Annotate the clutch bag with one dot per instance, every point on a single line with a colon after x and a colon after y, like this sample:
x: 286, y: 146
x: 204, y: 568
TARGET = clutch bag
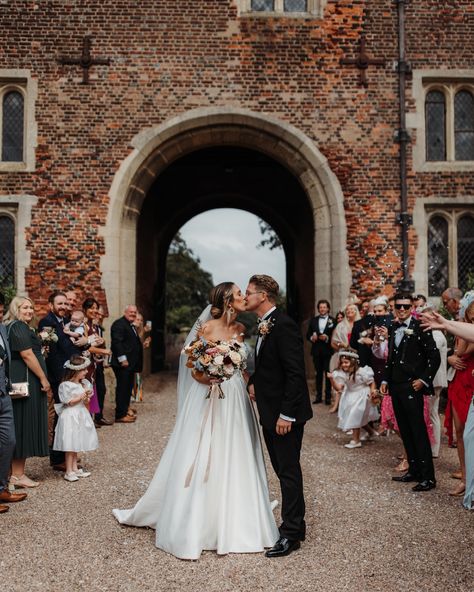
x: 19, y: 390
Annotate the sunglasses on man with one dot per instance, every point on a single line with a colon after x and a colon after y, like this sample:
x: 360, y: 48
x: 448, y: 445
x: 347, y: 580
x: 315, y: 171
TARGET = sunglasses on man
x: 404, y: 306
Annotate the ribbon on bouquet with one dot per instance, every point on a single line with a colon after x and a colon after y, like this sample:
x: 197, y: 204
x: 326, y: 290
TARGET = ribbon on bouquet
x: 214, y: 394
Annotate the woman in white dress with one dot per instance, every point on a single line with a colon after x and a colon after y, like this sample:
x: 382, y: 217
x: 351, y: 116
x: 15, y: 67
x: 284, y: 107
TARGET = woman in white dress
x: 355, y: 408
x: 210, y: 489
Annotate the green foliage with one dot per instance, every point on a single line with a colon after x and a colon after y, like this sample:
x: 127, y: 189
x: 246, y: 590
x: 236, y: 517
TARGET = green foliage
x: 470, y: 280
x: 8, y: 290
x: 187, y: 286
x: 270, y: 237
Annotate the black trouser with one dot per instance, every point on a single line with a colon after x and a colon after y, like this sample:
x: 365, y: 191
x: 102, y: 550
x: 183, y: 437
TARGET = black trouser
x: 321, y: 365
x: 123, y: 392
x: 100, y: 388
x: 284, y: 454
x: 408, y: 406
x: 56, y: 457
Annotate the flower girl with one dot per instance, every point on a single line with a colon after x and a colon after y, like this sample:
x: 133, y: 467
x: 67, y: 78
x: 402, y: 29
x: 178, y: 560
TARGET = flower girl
x: 357, y: 387
x: 75, y: 430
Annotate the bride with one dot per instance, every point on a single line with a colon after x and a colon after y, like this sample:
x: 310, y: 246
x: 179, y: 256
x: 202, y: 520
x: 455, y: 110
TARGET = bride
x: 210, y: 489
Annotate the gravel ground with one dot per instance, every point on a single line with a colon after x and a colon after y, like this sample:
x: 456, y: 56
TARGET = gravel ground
x: 365, y: 532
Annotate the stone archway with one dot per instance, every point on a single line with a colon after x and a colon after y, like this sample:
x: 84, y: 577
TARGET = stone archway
x: 155, y: 149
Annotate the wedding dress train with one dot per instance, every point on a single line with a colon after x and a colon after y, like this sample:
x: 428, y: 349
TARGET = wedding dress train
x: 210, y: 489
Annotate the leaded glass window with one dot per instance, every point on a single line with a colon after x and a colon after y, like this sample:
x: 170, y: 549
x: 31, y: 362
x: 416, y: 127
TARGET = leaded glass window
x: 435, y: 114
x: 263, y: 5
x: 464, y: 125
x: 7, y: 250
x: 465, y: 251
x: 438, y: 255
x: 295, y: 5
x: 12, y: 127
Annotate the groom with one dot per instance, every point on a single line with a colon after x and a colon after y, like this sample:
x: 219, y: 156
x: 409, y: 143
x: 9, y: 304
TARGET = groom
x: 279, y: 387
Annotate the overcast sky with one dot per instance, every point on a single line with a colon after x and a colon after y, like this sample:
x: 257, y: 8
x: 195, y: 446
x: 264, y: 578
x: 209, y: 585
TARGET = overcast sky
x: 226, y: 242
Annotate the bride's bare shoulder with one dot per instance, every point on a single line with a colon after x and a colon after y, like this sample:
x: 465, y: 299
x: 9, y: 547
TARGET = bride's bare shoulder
x: 207, y: 328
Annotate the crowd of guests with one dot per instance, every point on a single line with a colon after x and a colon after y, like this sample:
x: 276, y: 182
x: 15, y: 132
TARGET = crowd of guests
x: 381, y: 368
x: 52, y: 384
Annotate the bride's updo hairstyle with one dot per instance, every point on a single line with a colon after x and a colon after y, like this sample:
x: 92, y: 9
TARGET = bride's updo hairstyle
x: 221, y: 298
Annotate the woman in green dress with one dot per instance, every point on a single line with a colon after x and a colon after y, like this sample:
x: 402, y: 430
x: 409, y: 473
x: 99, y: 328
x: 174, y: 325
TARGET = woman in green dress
x: 30, y: 413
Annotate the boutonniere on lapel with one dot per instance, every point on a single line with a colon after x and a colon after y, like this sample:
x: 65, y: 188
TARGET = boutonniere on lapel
x: 265, y: 326
x: 408, y: 332
x: 329, y: 325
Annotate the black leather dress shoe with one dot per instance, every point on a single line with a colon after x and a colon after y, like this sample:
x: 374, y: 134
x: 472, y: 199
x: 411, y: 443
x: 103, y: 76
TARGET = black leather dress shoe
x: 406, y: 478
x: 283, y: 547
x: 425, y: 485
x: 103, y: 422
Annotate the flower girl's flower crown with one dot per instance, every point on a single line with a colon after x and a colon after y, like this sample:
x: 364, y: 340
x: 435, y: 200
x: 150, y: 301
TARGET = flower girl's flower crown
x: 348, y: 354
x: 77, y: 367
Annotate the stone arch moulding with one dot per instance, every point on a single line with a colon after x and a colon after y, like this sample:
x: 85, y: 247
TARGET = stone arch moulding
x: 155, y: 148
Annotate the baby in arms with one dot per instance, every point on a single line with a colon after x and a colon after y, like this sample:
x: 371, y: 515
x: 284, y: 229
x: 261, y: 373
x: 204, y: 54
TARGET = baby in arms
x: 76, y: 327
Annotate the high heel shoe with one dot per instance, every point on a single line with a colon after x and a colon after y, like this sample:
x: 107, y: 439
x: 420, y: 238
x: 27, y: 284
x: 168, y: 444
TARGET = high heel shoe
x: 459, y: 491
x: 23, y: 481
x: 402, y: 467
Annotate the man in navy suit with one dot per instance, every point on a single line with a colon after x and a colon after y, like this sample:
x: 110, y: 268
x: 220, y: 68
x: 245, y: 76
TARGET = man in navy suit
x: 7, y: 426
x: 58, y: 354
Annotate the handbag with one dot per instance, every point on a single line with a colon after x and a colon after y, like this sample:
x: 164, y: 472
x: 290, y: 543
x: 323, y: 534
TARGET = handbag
x: 19, y: 390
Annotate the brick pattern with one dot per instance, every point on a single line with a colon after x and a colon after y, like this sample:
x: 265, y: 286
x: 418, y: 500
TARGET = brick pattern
x: 170, y: 57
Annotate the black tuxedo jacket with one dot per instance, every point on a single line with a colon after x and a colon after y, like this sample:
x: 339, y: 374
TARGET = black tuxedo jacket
x: 321, y: 346
x: 364, y: 351
x: 279, y: 378
x: 125, y: 342
x: 416, y: 357
x: 60, y: 351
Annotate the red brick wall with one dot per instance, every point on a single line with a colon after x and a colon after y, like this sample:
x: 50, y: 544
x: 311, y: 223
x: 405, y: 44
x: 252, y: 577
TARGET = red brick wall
x: 169, y: 57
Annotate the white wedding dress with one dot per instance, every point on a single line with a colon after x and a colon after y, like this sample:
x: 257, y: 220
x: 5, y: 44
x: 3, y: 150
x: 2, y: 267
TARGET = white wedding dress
x: 210, y: 490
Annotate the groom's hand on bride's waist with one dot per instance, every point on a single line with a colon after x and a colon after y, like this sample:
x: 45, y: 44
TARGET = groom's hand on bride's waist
x: 251, y: 391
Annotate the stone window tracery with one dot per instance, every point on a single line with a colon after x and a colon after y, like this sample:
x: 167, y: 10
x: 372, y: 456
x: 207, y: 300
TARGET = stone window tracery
x: 449, y: 122
x: 450, y: 250
x: 7, y: 249
x: 282, y: 7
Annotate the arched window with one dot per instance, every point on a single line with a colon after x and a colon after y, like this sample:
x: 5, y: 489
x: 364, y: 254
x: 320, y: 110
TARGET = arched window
x: 7, y: 250
x: 12, y: 126
x: 464, y: 125
x: 465, y: 251
x: 435, y: 115
x: 438, y: 255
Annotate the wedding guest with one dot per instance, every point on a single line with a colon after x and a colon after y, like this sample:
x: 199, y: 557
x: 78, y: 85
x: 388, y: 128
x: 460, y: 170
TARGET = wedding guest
x: 433, y: 320
x: 320, y: 329
x: 30, y: 413
x: 100, y: 361
x: 364, y: 308
x: 75, y: 329
x: 440, y: 382
x: 451, y: 299
x: 419, y: 303
x: 339, y: 316
x: 71, y: 302
x: 7, y: 426
x: 391, y: 305
x: 143, y: 330
x: 356, y: 385
x: 97, y: 351
x: 58, y: 354
x: 340, y: 340
x: 412, y: 362
x: 127, y: 358
x: 460, y: 391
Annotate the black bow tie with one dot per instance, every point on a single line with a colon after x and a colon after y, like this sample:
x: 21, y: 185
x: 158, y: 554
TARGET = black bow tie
x: 403, y: 325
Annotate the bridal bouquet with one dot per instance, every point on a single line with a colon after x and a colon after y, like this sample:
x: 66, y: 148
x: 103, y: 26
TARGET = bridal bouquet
x: 47, y: 335
x: 216, y: 360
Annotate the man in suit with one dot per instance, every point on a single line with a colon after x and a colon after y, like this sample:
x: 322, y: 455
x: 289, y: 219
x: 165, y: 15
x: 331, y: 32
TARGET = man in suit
x: 319, y: 333
x: 413, y: 360
x: 127, y: 359
x: 279, y: 387
x: 7, y: 426
x: 58, y: 354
